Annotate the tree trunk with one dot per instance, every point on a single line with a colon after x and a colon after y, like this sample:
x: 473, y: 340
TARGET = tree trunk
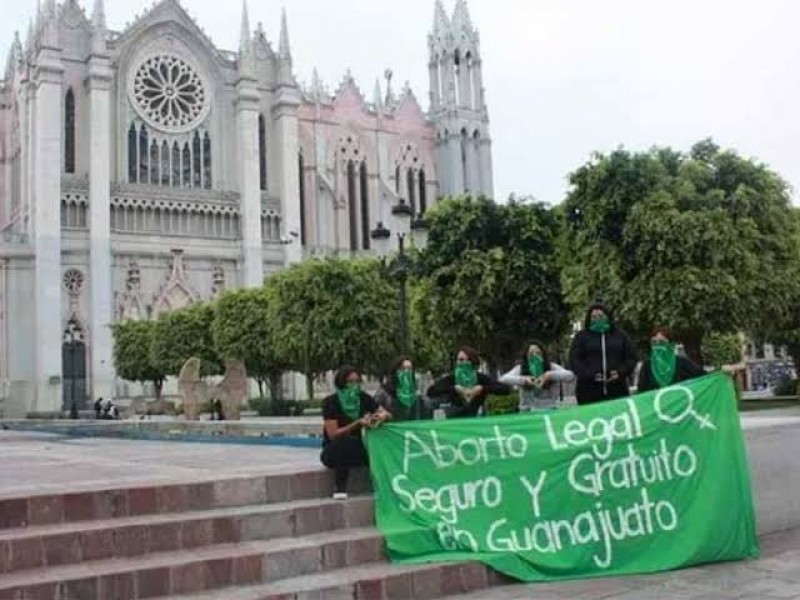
x: 276, y: 386
x: 260, y: 388
x: 157, y: 386
x: 310, y: 386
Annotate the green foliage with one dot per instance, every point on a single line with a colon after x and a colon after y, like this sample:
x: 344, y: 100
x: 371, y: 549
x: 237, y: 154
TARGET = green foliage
x: 787, y: 387
x: 701, y: 241
x: 276, y: 407
x: 502, y: 405
x: 183, y: 334
x: 331, y: 312
x: 489, y: 278
x: 722, y: 349
x: 133, y: 359
x: 242, y: 329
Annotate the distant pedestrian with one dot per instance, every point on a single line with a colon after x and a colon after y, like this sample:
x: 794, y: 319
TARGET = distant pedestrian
x: 98, y: 408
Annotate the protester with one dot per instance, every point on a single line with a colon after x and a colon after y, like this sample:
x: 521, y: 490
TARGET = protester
x: 398, y: 392
x: 98, y: 407
x: 466, y: 388
x: 602, y: 358
x: 538, y: 379
x: 345, y: 414
x: 664, y: 367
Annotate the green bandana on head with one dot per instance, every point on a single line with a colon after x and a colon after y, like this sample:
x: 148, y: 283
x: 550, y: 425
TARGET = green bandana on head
x: 406, y: 388
x: 601, y: 325
x: 536, y: 365
x: 662, y: 363
x: 350, y: 400
x: 466, y: 376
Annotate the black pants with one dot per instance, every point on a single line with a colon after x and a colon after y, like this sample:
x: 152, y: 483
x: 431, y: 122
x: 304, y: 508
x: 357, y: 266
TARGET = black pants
x: 341, y: 455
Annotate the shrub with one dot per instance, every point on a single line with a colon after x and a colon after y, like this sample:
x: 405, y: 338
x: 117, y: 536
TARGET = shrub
x: 502, y: 405
x: 787, y: 387
x: 276, y: 408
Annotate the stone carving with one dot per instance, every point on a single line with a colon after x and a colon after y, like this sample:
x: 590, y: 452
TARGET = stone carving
x: 217, y: 281
x: 73, y: 282
x: 176, y: 292
x: 196, y: 393
x: 130, y: 303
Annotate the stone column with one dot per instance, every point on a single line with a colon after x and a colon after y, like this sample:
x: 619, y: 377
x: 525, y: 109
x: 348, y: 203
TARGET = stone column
x: 472, y: 176
x: 487, y: 176
x: 284, y: 112
x: 25, y: 172
x: 47, y: 230
x: 456, y: 166
x: 249, y: 182
x: 100, y: 279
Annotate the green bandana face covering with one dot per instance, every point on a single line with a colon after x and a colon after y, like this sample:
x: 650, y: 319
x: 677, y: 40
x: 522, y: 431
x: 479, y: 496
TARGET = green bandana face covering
x: 466, y: 376
x: 350, y: 400
x: 406, y: 392
x: 601, y: 325
x: 662, y: 363
x: 536, y: 365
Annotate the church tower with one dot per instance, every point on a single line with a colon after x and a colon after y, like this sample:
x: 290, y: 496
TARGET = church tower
x: 458, y: 105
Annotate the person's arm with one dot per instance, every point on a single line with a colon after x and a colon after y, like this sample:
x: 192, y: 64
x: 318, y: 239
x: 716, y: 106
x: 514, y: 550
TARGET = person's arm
x: 492, y: 386
x: 513, y: 377
x: 690, y: 368
x: 330, y: 416
x: 557, y: 373
x: 444, y: 386
x: 577, y: 362
x: 383, y: 398
x: 375, y: 412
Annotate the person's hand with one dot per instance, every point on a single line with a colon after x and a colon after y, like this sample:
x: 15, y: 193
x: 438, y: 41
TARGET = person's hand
x: 614, y: 376
x: 528, y: 382
x: 461, y: 391
x: 365, y: 420
x: 599, y: 377
x: 546, y: 378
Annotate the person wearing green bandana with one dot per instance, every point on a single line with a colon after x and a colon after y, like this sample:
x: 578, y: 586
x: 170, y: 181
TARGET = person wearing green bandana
x: 465, y: 389
x: 538, y: 379
x: 664, y: 366
x: 602, y: 358
x: 398, y: 392
x: 345, y: 415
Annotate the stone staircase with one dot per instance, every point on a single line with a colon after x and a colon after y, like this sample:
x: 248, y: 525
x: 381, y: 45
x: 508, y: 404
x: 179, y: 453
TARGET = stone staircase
x: 252, y: 538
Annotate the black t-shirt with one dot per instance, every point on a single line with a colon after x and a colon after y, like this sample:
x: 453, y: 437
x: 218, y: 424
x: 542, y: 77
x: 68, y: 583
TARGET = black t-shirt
x: 332, y: 410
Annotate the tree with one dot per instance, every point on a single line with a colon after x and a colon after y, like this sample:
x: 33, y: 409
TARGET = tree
x: 701, y: 241
x: 331, y: 312
x: 242, y: 329
x: 722, y: 349
x: 182, y: 334
x: 489, y: 278
x: 132, y: 357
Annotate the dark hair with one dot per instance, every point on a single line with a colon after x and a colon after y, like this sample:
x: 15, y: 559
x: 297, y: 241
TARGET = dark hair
x: 389, y: 380
x: 471, y: 353
x: 524, y: 369
x: 587, y: 321
x: 663, y: 330
x: 340, y: 380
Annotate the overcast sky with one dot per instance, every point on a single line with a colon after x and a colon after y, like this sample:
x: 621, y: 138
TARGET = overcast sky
x: 563, y: 78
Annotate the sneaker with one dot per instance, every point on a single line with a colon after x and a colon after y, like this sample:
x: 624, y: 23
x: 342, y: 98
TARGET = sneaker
x: 340, y: 495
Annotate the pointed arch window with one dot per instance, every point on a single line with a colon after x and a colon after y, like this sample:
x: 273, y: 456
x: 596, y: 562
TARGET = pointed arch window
x: 133, y: 146
x: 364, y: 180
x: 412, y: 200
x: 397, y: 180
x: 196, y: 160
x: 351, y: 204
x: 69, y: 132
x: 302, y: 183
x: 176, y: 165
x: 165, y: 168
x: 423, y: 195
x: 186, y: 165
x: 464, y: 160
x: 262, y: 151
x: 207, y: 161
x: 144, y: 156
x: 154, y: 162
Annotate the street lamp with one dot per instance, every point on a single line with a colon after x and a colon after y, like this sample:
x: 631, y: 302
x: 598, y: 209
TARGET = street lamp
x: 72, y: 336
x: 400, y: 266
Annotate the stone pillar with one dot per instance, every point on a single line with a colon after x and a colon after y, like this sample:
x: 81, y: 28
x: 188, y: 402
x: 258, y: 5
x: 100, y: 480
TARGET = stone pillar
x: 487, y: 174
x: 284, y: 112
x: 456, y: 166
x: 25, y: 173
x: 249, y: 182
x: 100, y: 279
x: 472, y: 176
x: 47, y: 230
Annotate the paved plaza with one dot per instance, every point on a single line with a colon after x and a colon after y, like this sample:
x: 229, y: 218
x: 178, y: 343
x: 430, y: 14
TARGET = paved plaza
x: 35, y: 463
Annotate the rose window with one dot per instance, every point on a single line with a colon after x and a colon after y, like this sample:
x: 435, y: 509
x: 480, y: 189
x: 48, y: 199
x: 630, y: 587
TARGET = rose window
x: 169, y: 93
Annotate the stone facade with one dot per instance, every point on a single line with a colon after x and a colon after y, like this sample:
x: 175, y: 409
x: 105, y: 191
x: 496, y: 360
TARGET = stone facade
x: 144, y: 170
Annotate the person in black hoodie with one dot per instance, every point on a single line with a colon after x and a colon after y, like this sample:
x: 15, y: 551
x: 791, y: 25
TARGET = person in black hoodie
x: 398, y: 392
x: 465, y: 388
x: 602, y: 358
x: 664, y: 367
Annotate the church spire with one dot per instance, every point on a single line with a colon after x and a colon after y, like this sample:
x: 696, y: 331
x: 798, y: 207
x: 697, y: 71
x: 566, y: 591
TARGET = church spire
x: 377, y: 99
x: 284, y: 51
x: 461, y: 18
x: 439, y: 18
x: 99, y: 28
x: 245, y: 44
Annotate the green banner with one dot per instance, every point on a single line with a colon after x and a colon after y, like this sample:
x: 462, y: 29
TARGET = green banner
x: 653, y: 482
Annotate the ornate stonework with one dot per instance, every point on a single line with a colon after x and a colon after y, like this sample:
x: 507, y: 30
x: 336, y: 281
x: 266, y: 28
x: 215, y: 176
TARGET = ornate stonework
x: 176, y: 292
x: 130, y: 303
x: 217, y: 281
x: 231, y: 391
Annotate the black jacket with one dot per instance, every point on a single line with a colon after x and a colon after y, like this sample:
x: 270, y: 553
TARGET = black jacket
x: 684, y: 369
x: 445, y: 389
x: 586, y: 361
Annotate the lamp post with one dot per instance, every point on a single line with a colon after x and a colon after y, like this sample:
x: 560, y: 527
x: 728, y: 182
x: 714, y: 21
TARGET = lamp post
x: 400, y: 266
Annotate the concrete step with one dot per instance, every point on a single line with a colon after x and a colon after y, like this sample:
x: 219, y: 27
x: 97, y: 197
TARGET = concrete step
x: 91, y: 503
x: 379, y: 581
x: 201, y: 569
x: 126, y: 537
